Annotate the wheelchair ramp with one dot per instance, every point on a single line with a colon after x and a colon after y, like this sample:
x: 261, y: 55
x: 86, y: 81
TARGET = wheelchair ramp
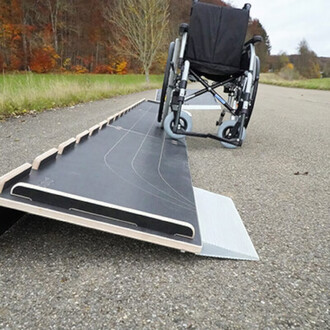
x: 123, y: 176
x: 222, y: 230
x: 205, y: 101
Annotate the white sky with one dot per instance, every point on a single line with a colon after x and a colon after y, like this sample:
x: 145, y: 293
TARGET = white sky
x: 287, y: 22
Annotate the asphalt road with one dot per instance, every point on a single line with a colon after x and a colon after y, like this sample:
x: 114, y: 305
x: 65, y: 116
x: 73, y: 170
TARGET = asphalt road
x: 56, y: 275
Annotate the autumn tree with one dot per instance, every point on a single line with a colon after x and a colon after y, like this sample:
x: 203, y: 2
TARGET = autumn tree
x: 141, y: 27
x: 277, y: 62
x: 54, y: 10
x: 109, y: 36
x: 325, y: 66
x: 11, y: 30
x: 307, y: 62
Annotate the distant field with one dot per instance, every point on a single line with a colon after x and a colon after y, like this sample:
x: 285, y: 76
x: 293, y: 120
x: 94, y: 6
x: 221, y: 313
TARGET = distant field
x: 21, y: 93
x: 274, y: 79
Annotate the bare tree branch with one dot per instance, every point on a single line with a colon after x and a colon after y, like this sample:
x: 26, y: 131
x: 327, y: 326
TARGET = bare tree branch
x: 142, y: 24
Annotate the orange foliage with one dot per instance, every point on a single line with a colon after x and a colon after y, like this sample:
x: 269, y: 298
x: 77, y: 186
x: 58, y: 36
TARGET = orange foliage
x: 15, y: 62
x: 2, y: 63
x: 290, y: 66
x: 118, y: 67
x: 43, y: 59
x: 11, y: 31
x: 47, y: 34
x: 79, y: 69
x: 121, y: 67
x: 103, y: 68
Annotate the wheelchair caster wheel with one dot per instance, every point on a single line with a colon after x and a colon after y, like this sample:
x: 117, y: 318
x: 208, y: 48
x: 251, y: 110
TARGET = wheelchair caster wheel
x: 225, y: 132
x: 185, y: 124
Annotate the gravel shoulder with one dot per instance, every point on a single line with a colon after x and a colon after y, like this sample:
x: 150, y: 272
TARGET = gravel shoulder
x: 56, y: 275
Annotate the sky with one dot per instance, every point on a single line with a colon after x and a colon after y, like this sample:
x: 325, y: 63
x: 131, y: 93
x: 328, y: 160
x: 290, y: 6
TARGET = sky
x: 287, y: 22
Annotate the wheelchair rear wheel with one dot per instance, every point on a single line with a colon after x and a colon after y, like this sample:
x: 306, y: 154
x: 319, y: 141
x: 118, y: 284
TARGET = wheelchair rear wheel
x: 165, y: 81
x: 185, y: 123
x: 225, y: 132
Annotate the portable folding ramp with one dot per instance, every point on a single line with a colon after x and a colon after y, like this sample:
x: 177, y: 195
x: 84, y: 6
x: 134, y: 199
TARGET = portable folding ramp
x: 204, y: 101
x: 124, y: 176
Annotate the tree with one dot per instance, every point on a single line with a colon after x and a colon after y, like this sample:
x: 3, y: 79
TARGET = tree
x: 277, y: 62
x: 55, y: 8
x: 43, y: 60
x: 104, y: 36
x: 307, y: 62
x: 141, y: 27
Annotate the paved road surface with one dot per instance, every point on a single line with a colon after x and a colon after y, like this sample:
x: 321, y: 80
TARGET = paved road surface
x: 55, y: 275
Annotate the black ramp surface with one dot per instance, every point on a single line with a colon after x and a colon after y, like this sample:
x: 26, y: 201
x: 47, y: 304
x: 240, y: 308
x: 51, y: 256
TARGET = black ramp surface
x: 130, y: 164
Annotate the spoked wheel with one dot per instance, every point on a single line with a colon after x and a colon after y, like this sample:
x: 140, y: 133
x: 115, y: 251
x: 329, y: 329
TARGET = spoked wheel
x: 254, y: 92
x: 165, y: 81
x: 226, y: 132
x: 185, y: 124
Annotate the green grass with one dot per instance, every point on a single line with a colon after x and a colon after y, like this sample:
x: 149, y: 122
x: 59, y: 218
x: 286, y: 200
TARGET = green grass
x: 22, y: 93
x: 274, y: 79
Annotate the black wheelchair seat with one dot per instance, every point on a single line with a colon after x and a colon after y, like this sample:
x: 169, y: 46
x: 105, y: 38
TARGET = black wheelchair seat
x: 216, y: 39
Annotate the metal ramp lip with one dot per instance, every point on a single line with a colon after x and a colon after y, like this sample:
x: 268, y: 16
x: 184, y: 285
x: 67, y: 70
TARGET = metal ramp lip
x: 222, y: 230
x: 226, y: 253
x: 206, y: 101
x: 98, y: 225
x: 186, y: 229
x: 201, y: 107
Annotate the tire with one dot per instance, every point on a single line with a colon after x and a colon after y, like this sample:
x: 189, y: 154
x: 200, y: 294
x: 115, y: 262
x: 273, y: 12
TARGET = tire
x: 165, y: 81
x: 223, y: 131
x: 254, y: 92
x: 185, y: 121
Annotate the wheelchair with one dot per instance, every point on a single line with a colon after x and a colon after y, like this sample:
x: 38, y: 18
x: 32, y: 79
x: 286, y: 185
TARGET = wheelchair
x: 211, y: 48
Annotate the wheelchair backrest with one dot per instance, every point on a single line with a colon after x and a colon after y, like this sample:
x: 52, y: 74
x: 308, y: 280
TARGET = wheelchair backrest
x: 216, y: 38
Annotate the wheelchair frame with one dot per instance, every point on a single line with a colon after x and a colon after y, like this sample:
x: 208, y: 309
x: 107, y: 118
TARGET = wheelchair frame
x: 241, y: 89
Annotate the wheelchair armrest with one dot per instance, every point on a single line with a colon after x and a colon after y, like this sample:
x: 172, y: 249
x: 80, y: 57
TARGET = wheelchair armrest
x: 184, y: 27
x: 254, y: 40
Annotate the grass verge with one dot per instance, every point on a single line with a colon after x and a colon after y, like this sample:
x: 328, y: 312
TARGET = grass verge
x: 22, y: 93
x: 274, y: 79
